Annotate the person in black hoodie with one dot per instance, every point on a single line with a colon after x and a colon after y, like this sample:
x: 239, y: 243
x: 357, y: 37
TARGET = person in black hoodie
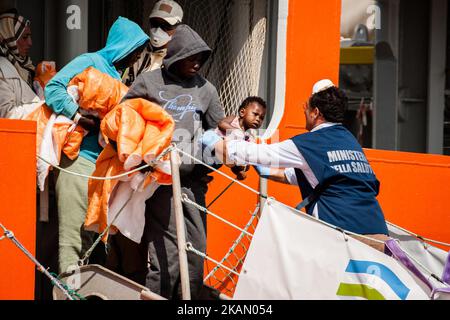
x: 194, y: 104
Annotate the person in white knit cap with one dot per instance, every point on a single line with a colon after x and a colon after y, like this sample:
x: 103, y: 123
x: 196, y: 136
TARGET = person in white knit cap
x: 327, y: 163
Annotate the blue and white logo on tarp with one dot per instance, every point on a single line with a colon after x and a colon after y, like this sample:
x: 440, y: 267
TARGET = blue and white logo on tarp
x: 373, y: 281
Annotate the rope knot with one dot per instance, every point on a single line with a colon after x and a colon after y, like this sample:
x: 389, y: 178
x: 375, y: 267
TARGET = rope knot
x: 9, y: 234
x: 343, y: 233
x: 189, y: 246
x: 6, y: 233
x: 184, y: 197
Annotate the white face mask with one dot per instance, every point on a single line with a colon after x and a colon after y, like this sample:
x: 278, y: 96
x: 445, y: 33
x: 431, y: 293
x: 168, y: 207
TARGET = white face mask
x: 158, y: 37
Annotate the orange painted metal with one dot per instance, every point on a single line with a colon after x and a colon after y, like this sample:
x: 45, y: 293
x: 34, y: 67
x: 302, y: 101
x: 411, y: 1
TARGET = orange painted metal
x: 414, y: 191
x: 18, y: 207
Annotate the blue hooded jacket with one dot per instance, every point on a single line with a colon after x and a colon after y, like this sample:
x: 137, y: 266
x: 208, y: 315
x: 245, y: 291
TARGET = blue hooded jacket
x: 124, y: 37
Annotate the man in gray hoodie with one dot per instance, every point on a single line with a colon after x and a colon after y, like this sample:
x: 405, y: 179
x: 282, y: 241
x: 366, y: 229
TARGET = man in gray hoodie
x: 194, y: 104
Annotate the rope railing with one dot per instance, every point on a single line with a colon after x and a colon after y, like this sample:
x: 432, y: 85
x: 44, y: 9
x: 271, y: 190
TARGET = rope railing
x: 419, y: 237
x: 231, y: 273
x: 190, y: 248
x: 185, y: 199
x: 235, y: 257
x: 220, y: 172
x: 236, y: 242
x: 122, y: 175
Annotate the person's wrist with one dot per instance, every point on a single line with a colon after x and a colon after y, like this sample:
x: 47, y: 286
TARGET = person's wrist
x: 263, y: 172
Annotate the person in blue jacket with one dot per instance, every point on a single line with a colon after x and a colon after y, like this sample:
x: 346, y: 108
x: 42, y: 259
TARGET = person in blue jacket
x: 327, y: 164
x: 125, y: 42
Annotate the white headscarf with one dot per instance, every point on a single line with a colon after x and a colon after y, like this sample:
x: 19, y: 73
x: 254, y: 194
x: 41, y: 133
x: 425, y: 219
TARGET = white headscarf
x: 12, y: 27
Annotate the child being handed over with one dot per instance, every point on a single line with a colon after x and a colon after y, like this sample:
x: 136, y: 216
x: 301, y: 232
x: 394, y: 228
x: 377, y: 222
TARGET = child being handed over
x: 251, y: 116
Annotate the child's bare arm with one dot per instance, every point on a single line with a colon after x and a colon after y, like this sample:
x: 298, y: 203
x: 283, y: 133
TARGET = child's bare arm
x: 225, y: 124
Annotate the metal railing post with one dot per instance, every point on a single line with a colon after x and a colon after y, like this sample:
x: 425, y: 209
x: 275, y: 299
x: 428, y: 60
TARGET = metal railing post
x: 263, y: 188
x: 179, y: 218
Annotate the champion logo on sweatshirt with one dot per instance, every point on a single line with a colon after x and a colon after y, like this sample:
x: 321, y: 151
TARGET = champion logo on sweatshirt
x: 180, y: 106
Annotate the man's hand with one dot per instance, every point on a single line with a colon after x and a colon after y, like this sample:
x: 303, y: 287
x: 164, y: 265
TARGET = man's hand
x: 210, y: 138
x: 89, y: 123
x: 241, y: 175
x: 240, y: 172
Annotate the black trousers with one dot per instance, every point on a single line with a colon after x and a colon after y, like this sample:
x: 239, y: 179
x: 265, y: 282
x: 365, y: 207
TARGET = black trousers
x: 154, y: 262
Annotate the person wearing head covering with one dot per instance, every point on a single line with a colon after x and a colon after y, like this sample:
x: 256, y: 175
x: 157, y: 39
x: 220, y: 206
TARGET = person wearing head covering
x: 327, y: 164
x: 193, y: 103
x: 124, y: 44
x: 16, y: 67
x: 164, y: 19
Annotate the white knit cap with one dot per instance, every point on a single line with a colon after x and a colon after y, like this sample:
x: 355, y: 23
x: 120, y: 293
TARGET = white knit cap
x: 168, y: 10
x: 322, y: 85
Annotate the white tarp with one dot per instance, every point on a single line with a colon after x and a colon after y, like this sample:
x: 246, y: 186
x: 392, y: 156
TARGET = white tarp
x: 429, y: 256
x: 295, y: 257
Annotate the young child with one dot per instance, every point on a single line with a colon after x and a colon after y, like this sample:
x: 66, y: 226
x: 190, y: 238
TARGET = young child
x: 251, y: 116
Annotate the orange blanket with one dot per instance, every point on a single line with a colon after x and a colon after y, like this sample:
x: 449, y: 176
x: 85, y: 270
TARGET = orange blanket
x: 96, y: 93
x: 141, y: 130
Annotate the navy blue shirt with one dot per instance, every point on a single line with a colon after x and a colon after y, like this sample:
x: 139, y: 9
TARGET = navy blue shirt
x: 349, y: 200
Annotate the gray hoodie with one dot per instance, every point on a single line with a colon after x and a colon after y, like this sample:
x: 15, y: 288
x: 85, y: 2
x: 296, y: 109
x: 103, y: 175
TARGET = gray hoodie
x: 193, y: 103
